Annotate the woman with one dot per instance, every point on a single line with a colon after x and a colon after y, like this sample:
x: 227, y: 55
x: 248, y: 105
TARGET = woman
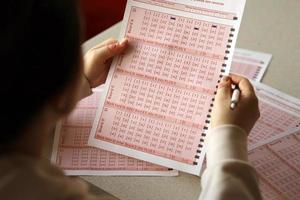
x: 44, y: 75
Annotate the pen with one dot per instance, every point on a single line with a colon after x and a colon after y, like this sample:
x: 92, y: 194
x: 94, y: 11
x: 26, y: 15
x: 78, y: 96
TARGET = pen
x: 235, y: 97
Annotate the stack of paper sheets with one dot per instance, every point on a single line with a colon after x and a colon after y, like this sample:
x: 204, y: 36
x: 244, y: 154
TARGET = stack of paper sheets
x: 250, y: 64
x: 151, y: 117
x: 277, y: 161
x: 71, y: 152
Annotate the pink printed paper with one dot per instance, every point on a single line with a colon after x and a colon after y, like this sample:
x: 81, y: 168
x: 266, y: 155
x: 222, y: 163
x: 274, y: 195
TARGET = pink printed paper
x: 250, y: 64
x: 75, y: 157
x: 277, y: 162
x: 279, y: 113
x: 159, y: 93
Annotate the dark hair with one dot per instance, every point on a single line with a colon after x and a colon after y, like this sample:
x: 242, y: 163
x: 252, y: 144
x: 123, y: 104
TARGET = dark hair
x: 39, y: 55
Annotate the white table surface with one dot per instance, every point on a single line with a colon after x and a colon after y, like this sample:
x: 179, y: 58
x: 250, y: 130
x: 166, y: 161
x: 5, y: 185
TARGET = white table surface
x: 270, y: 26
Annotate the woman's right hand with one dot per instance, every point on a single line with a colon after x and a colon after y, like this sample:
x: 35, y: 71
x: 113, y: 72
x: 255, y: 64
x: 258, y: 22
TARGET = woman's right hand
x: 245, y: 114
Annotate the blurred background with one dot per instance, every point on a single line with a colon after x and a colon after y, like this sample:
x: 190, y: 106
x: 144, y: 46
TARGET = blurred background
x: 101, y: 14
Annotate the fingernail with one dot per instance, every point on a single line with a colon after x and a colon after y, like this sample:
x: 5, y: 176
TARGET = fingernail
x: 123, y: 41
x: 225, y: 79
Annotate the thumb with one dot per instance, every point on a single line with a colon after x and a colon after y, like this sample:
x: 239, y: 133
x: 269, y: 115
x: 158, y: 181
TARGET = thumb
x: 224, y: 88
x: 110, y: 50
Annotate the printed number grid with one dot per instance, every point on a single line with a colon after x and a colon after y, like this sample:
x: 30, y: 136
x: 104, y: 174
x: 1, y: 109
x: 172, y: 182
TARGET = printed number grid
x: 192, y: 9
x: 163, y: 87
x: 250, y: 71
x: 74, y: 154
x: 272, y: 121
x: 185, y: 69
x: 166, y: 101
x: 278, y: 166
x: 187, y: 34
x: 281, y: 101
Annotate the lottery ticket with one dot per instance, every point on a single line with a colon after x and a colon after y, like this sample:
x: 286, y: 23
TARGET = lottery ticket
x: 279, y: 112
x: 159, y: 93
x: 75, y: 157
x: 277, y: 162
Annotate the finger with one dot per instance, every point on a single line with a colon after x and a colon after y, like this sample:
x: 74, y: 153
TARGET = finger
x: 105, y: 43
x: 244, y: 85
x: 224, y: 89
x: 109, y: 51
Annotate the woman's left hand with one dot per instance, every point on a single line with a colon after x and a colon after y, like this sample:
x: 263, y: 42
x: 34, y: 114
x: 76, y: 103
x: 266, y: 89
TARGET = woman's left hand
x: 97, y: 60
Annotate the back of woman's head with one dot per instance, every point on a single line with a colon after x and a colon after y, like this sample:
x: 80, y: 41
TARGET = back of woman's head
x: 39, y: 55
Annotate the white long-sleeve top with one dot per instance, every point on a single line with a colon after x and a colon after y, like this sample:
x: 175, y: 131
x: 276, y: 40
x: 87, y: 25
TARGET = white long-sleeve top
x: 228, y: 175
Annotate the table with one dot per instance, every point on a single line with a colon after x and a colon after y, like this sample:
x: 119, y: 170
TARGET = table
x: 269, y: 26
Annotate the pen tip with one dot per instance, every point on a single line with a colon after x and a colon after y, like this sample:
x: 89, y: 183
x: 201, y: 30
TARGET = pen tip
x: 232, y: 106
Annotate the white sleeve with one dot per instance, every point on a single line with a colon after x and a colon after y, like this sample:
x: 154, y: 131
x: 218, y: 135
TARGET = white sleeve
x: 228, y: 174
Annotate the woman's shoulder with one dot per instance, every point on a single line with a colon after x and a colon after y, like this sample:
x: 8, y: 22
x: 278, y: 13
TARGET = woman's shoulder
x: 24, y: 177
